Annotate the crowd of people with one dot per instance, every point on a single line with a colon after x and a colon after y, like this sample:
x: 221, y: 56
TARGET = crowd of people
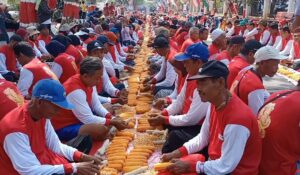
x: 58, y: 91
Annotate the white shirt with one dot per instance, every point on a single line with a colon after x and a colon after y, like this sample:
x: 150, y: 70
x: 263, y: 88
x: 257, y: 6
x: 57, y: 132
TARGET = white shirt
x: 235, y: 139
x: 3, y: 67
x: 277, y: 41
x: 42, y: 47
x: 251, y: 34
x: 256, y: 99
x: 170, y: 76
x: 83, y: 111
x: 162, y: 71
x: 108, y: 67
x: 118, y: 65
x: 174, y: 94
x: 264, y: 39
x: 195, y: 114
x: 57, y: 69
x: 25, y: 81
x: 108, y: 86
x: 230, y: 32
x: 285, y: 51
x: 18, y: 149
x: 292, y: 53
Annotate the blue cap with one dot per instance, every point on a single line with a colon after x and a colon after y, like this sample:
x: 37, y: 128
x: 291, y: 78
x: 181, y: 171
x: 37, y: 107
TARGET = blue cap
x: 52, y: 91
x: 114, y: 30
x: 196, y: 51
x: 103, y: 39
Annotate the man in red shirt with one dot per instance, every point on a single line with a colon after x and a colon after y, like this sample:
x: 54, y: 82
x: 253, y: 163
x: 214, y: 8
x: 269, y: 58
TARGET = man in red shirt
x: 278, y: 121
x: 193, y: 38
x: 243, y: 61
x: 106, y: 10
x: 33, y: 69
x: 63, y: 65
x: 234, y: 46
x: 218, y: 43
x: 8, y: 61
x: 28, y: 143
x: 248, y: 85
x: 230, y: 130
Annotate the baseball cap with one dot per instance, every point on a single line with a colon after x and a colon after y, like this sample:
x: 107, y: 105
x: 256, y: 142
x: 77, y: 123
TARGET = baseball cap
x: 160, y: 42
x: 236, y: 40
x: 251, y: 46
x: 82, y: 32
x: 103, y: 39
x: 195, y: 51
x: 94, y: 45
x: 242, y: 23
x: 216, y: 34
x: 267, y: 53
x: 32, y: 30
x: 52, y: 91
x: 212, y: 69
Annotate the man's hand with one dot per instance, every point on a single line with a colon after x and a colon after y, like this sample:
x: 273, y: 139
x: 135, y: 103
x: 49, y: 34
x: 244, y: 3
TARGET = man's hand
x: 172, y: 155
x: 118, y: 123
x: 157, y: 121
x: 179, y: 167
x: 160, y: 103
x: 87, y: 168
x: 130, y: 57
x: 129, y: 68
x: 146, y: 88
x: 123, y: 93
x: 146, y: 80
x: 88, y: 158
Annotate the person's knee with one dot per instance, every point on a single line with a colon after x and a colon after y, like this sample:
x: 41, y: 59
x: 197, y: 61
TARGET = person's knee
x: 96, y: 131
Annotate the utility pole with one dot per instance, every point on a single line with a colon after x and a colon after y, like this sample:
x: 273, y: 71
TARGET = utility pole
x: 267, y: 9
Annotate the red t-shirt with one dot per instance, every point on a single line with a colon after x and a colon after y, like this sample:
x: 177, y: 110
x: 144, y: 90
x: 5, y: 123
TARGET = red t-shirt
x: 279, y: 127
x: 235, y: 66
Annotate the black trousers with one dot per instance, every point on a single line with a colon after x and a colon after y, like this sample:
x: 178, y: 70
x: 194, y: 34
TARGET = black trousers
x: 179, y: 135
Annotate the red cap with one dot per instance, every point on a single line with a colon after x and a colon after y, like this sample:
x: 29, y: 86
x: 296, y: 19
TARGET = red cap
x: 21, y: 32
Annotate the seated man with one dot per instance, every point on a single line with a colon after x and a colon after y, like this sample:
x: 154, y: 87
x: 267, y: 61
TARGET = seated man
x: 63, y: 65
x: 28, y: 143
x: 9, y: 67
x: 96, y: 49
x: 10, y: 97
x: 248, y: 85
x: 230, y: 130
x: 33, y: 69
x: 88, y: 117
x: 184, y: 116
x: 165, y: 78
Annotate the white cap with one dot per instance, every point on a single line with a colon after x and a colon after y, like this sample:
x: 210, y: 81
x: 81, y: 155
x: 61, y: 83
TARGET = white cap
x: 80, y: 33
x: 216, y: 33
x: 267, y: 53
x: 91, y: 30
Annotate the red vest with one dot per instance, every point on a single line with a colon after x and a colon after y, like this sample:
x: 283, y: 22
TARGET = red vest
x: 87, y: 41
x: 235, y: 112
x: 39, y: 71
x: 82, y: 50
x: 257, y: 36
x: 181, y: 38
x: 189, y: 92
x: 245, y: 83
x: 279, y: 125
x: 66, y: 117
x: 284, y: 42
x: 46, y: 39
x: 174, y: 44
x: 187, y: 43
x: 213, y: 49
x: 69, y: 68
x: 10, y: 97
x: 235, y: 66
x: 296, y: 46
x: 73, y: 51
x: 19, y: 120
x: 273, y: 37
x: 118, y: 46
x: 223, y: 55
x: 11, y: 61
